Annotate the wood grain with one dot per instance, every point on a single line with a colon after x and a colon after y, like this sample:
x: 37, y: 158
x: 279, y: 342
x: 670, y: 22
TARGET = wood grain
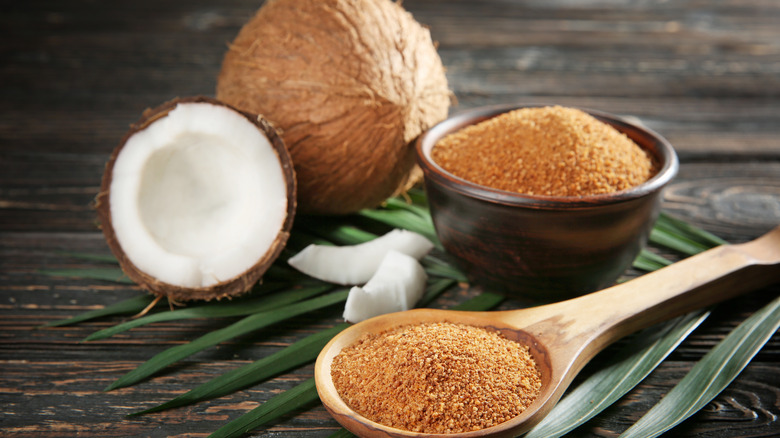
x: 75, y: 74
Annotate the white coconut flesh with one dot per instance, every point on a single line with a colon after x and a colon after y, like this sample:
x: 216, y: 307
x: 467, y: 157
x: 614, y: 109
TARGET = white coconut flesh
x: 397, y: 285
x: 198, y: 196
x: 356, y: 264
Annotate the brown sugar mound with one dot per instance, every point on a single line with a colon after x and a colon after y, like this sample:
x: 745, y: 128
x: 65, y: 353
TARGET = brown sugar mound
x: 437, y: 378
x: 547, y: 151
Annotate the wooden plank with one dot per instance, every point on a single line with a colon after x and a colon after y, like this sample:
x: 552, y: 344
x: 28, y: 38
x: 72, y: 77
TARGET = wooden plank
x: 66, y: 398
x: 75, y: 74
x: 741, y: 192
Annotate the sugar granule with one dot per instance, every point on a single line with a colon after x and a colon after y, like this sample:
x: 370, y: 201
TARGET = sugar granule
x: 548, y: 151
x: 437, y: 378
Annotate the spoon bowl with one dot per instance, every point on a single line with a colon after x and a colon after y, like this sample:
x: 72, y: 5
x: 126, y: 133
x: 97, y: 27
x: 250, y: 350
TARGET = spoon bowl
x: 364, y: 427
x: 564, y: 336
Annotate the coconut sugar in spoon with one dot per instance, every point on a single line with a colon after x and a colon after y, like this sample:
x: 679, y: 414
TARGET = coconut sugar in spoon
x: 564, y: 336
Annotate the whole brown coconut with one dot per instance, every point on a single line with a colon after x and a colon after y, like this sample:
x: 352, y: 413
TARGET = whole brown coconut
x: 198, y: 200
x: 350, y: 83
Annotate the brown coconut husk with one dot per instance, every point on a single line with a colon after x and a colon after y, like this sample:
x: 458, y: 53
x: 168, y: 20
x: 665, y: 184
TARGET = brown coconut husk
x: 351, y: 84
x: 226, y: 289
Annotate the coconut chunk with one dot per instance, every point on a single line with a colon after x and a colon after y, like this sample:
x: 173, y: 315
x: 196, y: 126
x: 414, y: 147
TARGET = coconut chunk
x: 397, y: 285
x: 197, y: 200
x: 356, y: 264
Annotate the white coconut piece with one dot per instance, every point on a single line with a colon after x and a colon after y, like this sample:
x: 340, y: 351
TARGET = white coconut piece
x: 397, y: 285
x: 356, y: 264
x: 198, y: 201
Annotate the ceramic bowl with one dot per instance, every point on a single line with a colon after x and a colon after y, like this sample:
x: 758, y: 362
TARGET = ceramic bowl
x: 544, y: 248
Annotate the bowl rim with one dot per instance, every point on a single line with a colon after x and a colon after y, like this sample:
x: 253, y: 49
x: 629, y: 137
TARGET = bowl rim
x: 660, y: 148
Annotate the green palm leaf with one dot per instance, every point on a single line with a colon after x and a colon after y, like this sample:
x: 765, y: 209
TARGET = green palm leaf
x: 281, y: 404
x: 218, y: 310
x: 299, y: 353
x: 439, y: 268
x: 647, y: 351
x: 650, y: 261
x: 404, y: 219
x: 692, y: 232
x: 417, y: 204
x: 607, y: 385
x: 434, y: 289
x: 241, y: 327
x: 481, y: 302
x: 680, y: 236
x: 711, y: 375
x: 338, y: 233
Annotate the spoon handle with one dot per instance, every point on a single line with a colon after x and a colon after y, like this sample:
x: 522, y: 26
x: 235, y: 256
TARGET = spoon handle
x: 598, y: 319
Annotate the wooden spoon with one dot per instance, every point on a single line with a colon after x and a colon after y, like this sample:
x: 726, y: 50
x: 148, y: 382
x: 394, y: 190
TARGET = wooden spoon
x: 564, y: 336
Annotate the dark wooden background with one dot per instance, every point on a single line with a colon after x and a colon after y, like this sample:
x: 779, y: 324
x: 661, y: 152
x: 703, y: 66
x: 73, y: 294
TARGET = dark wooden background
x: 74, y: 74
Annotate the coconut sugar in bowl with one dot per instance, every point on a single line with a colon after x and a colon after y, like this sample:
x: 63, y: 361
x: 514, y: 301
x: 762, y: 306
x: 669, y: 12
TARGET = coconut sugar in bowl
x: 579, y: 235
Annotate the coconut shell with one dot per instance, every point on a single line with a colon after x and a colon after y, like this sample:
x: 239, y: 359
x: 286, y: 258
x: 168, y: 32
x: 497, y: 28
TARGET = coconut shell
x: 230, y: 288
x: 351, y: 83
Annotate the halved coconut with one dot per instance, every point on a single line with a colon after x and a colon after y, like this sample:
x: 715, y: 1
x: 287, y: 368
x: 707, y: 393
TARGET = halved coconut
x: 197, y: 200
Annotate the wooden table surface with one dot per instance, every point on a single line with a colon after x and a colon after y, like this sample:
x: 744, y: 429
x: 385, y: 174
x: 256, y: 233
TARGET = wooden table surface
x: 74, y: 74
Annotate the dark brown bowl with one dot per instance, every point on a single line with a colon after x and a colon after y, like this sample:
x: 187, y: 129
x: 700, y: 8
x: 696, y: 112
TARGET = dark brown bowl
x: 544, y: 248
